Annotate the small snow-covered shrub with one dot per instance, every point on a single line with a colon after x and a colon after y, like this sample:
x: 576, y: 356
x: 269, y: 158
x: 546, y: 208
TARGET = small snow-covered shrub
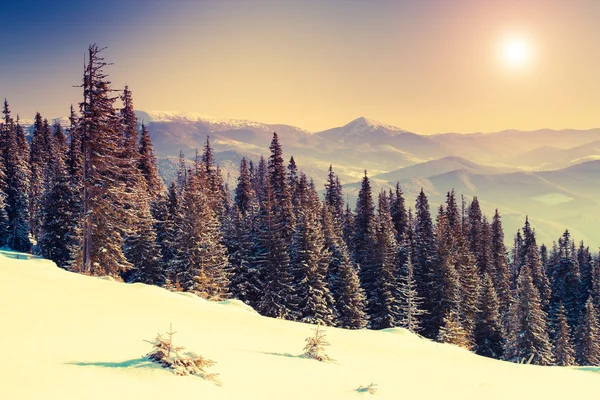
x: 371, y: 389
x: 176, y: 358
x: 315, y: 346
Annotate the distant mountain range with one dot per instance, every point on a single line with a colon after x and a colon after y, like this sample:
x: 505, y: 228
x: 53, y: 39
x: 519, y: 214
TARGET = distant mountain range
x: 552, y: 176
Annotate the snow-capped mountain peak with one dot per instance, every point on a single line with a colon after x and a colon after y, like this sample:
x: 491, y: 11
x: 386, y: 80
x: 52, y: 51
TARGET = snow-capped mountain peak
x: 360, y: 128
x: 362, y: 123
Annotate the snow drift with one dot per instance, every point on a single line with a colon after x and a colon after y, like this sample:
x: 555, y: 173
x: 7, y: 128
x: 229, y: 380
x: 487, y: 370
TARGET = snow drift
x: 68, y: 336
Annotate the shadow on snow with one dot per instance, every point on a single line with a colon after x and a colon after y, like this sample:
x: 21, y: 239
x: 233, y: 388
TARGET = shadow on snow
x: 133, y: 363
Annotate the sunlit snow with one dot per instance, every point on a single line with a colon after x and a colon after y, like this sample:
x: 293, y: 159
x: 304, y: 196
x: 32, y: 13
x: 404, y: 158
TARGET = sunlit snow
x: 68, y: 336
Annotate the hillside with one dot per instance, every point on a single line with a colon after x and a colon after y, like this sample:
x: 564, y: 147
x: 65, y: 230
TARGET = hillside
x: 68, y: 336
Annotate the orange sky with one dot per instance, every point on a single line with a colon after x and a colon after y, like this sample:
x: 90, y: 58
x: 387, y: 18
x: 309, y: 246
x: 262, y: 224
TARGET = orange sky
x: 426, y: 66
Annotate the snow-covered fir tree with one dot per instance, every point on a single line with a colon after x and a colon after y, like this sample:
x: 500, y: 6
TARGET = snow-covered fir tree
x: 587, y: 346
x: 452, y: 332
x: 42, y: 145
x: 364, y: 239
x: 200, y: 259
x: 15, y: 158
x: 409, y: 302
x: 566, y: 281
x: 530, y: 255
x: 105, y: 193
x: 445, y: 291
x: 140, y: 246
x: 148, y: 164
x: 500, y: 271
x: 310, y: 262
x: 527, y: 334
x: 58, y: 241
x: 564, y: 353
x: 271, y: 260
x: 489, y: 340
x: 424, y: 258
x: 383, y: 299
x: 344, y: 284
x: 398, y: 212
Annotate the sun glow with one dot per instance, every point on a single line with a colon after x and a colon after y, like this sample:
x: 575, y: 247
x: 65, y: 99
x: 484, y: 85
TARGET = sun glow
x: 515, y: 52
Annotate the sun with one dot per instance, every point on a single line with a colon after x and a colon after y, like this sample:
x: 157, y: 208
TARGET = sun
x: 515, y: 52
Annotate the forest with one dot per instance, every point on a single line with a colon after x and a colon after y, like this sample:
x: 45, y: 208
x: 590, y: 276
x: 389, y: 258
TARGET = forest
x: 88, y: 196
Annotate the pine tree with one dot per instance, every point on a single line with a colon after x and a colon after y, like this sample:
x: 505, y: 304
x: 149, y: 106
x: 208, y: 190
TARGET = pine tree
x: 275, y: 226
x: 410, y: 304
x: 140, y: 245
x: 60, y: 142
x: 333, y: 195
x: 143, y: 250
x: 479, y: 237
x: 104, y: 186
x: 500, y: 270
x: 383, y: 301
x: 530, y: 256
x: 292, y: 178
x: 165, y: 212
x: 244, y: 192
x: 182, y: 172
x: 364, y: 240
x: 566, y: 282
x: 586, y: 266
x: 309, y: 264
x: 17, y: 181
x: 259, y: 179
x: 516, y: 259
x: 587, y: 347
x: 595, y: 289
x: 215, y: 185
x: 3, y: 186
x: 282, y: 198
x: 200, y: 258
x: 58, y: 241
x: 445, y: 295
x: 129, y: 128
x: 344, y: 284
x: 465, y: 264
x: 564, y: 354
x: 42, y: 146
x: 452, y: 332
x: 271, y: 261
x: 398, y: 212
x: 348, y: 229
x: 244, y: 281
x: 74, y: 165
x: 475, y: 234
x: 148, y: 166
x: 423, y: 258
x: 527, y: 334
x: 244, y: 284
x: 488, y: 329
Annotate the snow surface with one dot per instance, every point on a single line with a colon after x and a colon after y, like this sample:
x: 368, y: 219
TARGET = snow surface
x: 68, y: 336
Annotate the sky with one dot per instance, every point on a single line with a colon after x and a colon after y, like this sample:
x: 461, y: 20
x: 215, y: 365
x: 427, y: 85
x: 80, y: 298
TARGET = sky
x: 428, y: 66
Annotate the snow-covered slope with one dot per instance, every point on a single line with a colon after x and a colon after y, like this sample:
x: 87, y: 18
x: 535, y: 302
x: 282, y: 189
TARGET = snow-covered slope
x: 68, y: 336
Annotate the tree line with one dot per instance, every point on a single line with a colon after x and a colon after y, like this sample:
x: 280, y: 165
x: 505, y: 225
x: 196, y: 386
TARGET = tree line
x: 89, y: 197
